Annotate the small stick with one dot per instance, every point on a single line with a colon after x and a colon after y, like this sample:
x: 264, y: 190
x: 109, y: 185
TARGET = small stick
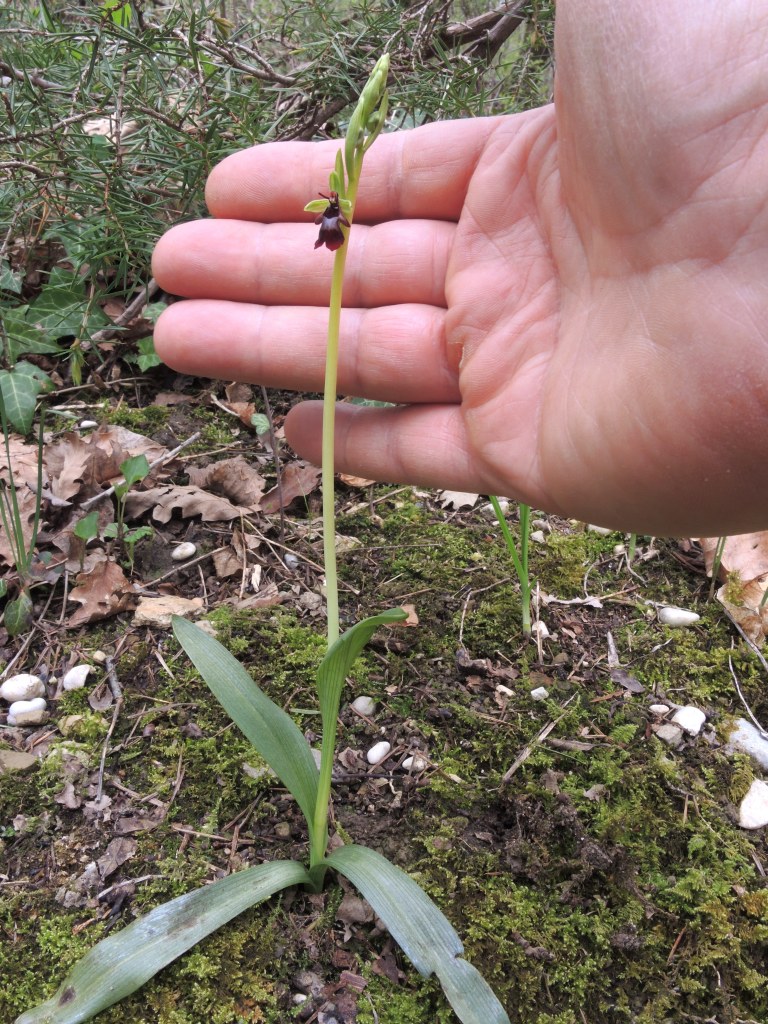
x: 117, y: 692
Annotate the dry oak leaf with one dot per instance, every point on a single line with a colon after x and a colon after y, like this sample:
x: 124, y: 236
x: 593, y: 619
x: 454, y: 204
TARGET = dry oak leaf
x: 744, y: 567
x: 298, y: 480
x: 235, y: 479
x: 102, y: 592
x: 190, y: 501
x: 158, y: 611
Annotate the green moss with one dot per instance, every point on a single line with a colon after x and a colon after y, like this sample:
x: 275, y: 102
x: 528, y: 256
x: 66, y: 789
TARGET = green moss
x: 143, y: 421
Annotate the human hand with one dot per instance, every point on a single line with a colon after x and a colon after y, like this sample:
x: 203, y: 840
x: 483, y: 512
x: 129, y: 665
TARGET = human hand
x: 569, y: 306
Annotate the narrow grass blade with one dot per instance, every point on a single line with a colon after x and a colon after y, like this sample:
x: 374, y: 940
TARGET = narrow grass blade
x: 340, y: 657
x: 422, y: 930
x: 122, y: 963
x: 272, y: 732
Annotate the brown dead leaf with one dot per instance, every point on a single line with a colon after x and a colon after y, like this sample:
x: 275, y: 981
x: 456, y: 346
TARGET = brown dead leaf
x: 457, y: 499
x: 744, y: 607
x: 158, y: 611
x: 235, y: 479
x: 744, y: 553
x: 189, y: 501
x: 102, y: 592
x: 239, y: 400
x: 117, y: 853
x: 355, y: 481
x: 227, y: 563
x: 298, y: 480
x: 744, y: 570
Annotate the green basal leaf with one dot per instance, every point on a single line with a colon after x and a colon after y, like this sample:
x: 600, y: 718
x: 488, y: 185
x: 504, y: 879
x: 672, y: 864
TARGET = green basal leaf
x: 340, y: 657
x: 122, y: 963
x: 421, y: 930
x: 272, y: 732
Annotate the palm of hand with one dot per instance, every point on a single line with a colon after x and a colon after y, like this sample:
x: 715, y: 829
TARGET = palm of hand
x: 609, y: 300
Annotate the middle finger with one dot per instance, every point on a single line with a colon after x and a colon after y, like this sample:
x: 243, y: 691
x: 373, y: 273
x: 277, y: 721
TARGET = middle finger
x: 276, y: 264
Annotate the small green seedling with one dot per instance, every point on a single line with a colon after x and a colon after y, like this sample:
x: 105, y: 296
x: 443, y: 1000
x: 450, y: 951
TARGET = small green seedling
x: 120, y: 964
x: 519, y: 559
x: 134, y: 470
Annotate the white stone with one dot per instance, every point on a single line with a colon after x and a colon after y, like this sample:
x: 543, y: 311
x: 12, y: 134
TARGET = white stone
x: 99, y: 657
x: 619, y: 549
x: 671, y: 616
x: 291, y: 561
x: 364, y: 706
x: 75, y: 678
x: 753, y: 811
x: 538, y: 537
x: 689, y: 718
x: 601, y: 531
x: 658, y: 709
x: 87, y: 424
x: 540, y: 693
x: 22, y: 687
x: 414, y: 763
x: 378, y: 752
x: 748, y: 739
x: 669, y: 733
x: 540, y: 629
x: 27, y: 712
x: 183, y: 551
x: 504, y: 690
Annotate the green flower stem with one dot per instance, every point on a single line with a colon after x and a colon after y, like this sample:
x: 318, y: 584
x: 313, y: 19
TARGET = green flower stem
x: 329, y: 421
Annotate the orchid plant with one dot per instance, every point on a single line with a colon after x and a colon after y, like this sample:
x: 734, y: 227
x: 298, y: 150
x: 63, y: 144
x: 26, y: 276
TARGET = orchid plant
x: 123, y: 962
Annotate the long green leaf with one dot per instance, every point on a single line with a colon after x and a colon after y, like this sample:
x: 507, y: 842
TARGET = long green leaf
x: 272, y: 732
x: 422, y: 930
x: 122, y: 963
x: 340, y: 657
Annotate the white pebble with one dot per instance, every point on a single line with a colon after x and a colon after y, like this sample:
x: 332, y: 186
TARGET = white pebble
x: 364, y: 706
x: 504, y: 690
x: 183, y: 551
x: 671, y: 616
x: 689, y: 718
x: 658, y: 709
x: 749, y: 740
x: 298, y: 998
x: 27, y: 712
x: 75, y: 678
x: 414, y: 763
x: 540, y: 629
x: 619, y: 549
x: 753, y: 811
x: 87, y: 424
x: 669, y: 733
x: 378, y: 752
x: 291, y: 561
x: 99, y: 657
x: 540, y: 693
x: 537, y: 536
x: 601, y: 531
x: 22, y: 687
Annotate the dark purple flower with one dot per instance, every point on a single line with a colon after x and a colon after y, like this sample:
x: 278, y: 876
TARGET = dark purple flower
x: 330, y: 221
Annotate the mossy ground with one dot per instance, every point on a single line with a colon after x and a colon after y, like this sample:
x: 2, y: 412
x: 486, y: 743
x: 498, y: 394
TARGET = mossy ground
x: 603, y: 881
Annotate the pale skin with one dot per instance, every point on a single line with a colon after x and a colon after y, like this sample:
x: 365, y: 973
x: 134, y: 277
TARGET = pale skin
x: 569, y: 306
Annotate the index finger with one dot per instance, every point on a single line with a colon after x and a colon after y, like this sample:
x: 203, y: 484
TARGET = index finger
x: 423, y: 172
